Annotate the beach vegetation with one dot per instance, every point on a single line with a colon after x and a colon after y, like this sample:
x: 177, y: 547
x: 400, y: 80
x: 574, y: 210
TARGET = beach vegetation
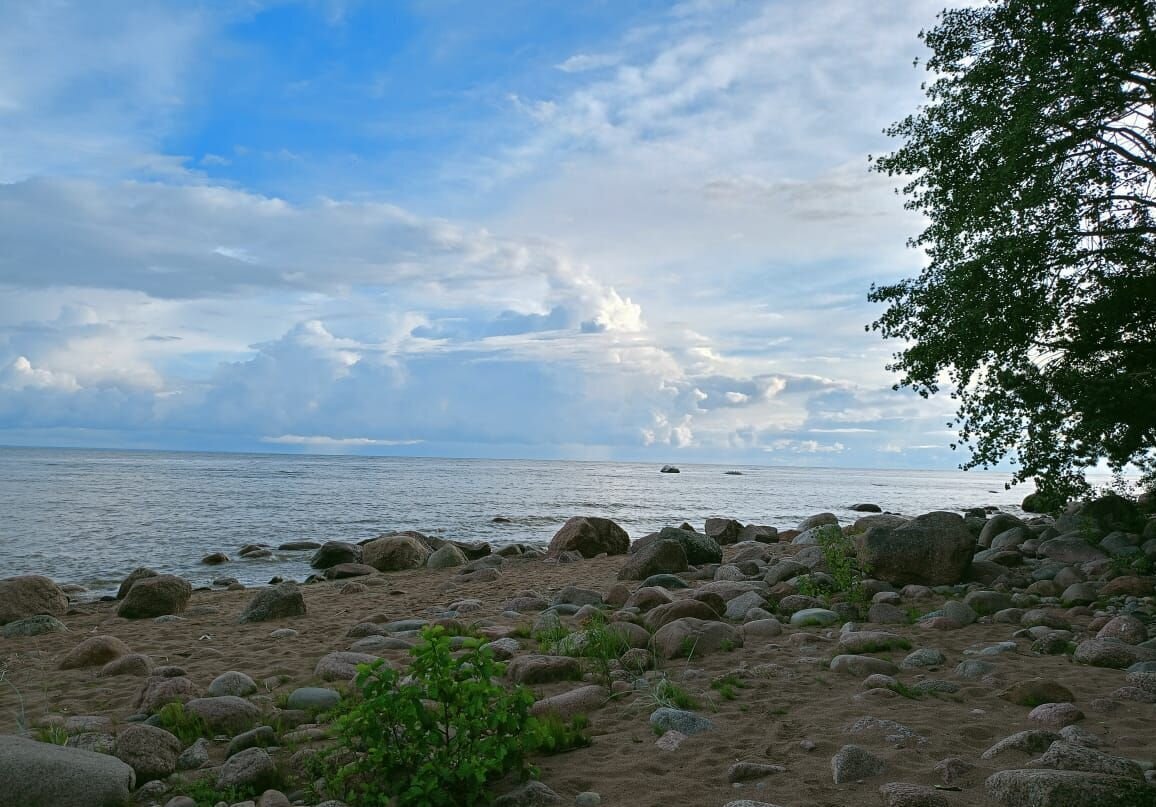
x: 553, y: 735
x: 435, y: 736
x: 181, y: 723
x: 1033, y: 162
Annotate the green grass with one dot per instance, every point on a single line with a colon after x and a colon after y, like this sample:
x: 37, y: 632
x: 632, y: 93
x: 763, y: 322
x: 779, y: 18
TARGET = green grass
x: 186, y: 727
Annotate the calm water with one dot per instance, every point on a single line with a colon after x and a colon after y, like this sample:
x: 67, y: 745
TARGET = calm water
x: 90, y: 517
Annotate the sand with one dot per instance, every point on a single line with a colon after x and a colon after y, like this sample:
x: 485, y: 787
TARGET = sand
x: 788, y: 694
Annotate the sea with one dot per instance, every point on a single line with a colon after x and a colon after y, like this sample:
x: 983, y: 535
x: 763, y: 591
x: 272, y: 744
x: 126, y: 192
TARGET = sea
x: 90, y: 517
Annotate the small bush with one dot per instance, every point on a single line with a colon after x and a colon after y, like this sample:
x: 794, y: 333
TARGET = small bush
x: 552, y: 735
x: 183, y: 725
x: 436, y: 737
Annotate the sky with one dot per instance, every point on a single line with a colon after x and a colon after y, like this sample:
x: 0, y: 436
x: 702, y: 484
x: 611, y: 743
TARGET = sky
x: 524, y: 228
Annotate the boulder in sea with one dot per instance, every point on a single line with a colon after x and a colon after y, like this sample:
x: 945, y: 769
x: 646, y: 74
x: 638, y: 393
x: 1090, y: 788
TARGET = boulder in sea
x: 866, y: 507
x: 279, y: 602
x: 933, y: 549
x: 30, y: 595
x: 155, y: 596
x: 36, y: 774
x: 591, y: 536
x: 818, y: 520
x: 669, y: 469
x: 215, y: 559
x: 139, y: 573
x: 397, y: 552
x: 332, y: 553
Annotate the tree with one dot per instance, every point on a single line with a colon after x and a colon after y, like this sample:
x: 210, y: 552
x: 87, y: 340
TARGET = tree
x: 1034, y: 161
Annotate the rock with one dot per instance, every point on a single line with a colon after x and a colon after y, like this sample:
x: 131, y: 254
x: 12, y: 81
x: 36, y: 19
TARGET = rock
x: 573, y: 595
x: 139, y: 573
x: 784, y: 570
x: 1111, y: 653
x: 953, y: 770
x: 33, y: 626
x: 1040, y: 503
x: 670, y: 741
x: 531, y: 794
x: 1045, y: 788
x: 1070, y: 549
x: 150, y: 751
x: 542, y: 669
x: 136, y: 664
x: 987, y: 602
x: 685, y: 722
x: 1031, y: 741
x: 34, y: 774
x: 341, y: 665
x: 215, y: 559
x: 679, y: 609
x: 274, y: 798
x: 94, y: 651
x: 332, y: 553
x: 932, y: 549
x: 740, y: 605
x: 180, y: 801
x: 344, y: 571
x: 1055, y: 715
x: 252, y: 768
x: 852, y: 763
x: 159, y: 691
x: 279, y: 602
x: 669, y: 469
x: 1079, y: 594
x: 862, y: 666
x: 259, y: 737
x: 655, y: 558
x: 723, y: 531
x: 903, y: 794
x: 818, y: 520
x: 924, y: 657
x: 232, y: 683
x: 195, y: 756
x: 810, y: 617
x: 445, y: 557
x: 700, y: 549
x: 30, y: 595
x: 154, y: 596
x: 1065, y: 756
x: 225, y: 713
x: 1125, y: 628
x: 690, y: 637
x: 871, y: 641
x: 751, y: 771
x: 999, y: 523
x: 313, y: 699
x: 591, y: 536
x: 566, y: 705
x: 882, y: 613
x: 397, y: 552
x: 866, y: 507
x: 762, y: 628
x: 298, y: 546
x: 1036, y: 691
x: 888, y: 731
x: 1128, y: 585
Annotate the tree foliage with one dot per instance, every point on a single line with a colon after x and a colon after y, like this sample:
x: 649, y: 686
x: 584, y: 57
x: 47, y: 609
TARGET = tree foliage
x: 1034, y: 161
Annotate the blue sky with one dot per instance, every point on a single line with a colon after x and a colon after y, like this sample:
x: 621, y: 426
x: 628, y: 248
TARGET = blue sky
x: 638, y: 230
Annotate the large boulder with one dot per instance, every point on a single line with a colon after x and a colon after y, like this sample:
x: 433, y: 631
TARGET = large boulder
x: 590, y: 536
x: 657, y: 557
x: 699, y: 548
x: 332, y: 553
x: 150, y: 751
x: 1049, y: 788
x: 723, y: 530
x: 34, y: 774
x: 30, y: 595
x: 997, y: 524
x: 280, y: 601
x: 691, y: 638
x: 225, y: 713
x: 394, y: 553
x: 933, y: 549
x: 155, y: 596
x: 139, y: 573
x: 95, y: 651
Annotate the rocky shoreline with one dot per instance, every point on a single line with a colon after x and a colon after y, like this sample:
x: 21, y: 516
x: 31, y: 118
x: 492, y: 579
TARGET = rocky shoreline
x: 942, y: 659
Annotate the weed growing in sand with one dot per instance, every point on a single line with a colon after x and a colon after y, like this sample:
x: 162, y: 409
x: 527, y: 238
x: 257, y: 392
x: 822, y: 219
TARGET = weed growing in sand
x: 435, y: 737
x: 5, y: 669
x: 553, y: 735
x: 665, y: 692
x: 687, y: 647
x: 185, y: 726
x: 602, y: 646
x: 206, y: 794
x: 727, y: 685
x: 901, y: 689
x: 55, y: 735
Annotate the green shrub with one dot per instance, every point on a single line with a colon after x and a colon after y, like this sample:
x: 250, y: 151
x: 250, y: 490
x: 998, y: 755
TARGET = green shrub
x: 435, y: 737
x: 553, y: 735
x: 185, y: 726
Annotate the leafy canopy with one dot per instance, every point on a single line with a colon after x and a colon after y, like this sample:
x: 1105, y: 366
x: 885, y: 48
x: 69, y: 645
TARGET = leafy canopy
x: 1034, y: 161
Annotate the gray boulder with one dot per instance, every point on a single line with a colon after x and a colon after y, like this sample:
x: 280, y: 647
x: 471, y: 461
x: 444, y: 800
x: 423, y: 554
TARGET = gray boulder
x: 225, y: 713
x: 852, y: 762
x: 1047, y: 788
x: 932, y: 549
x: 279, y: 602
x: 150, y: 751
x: 392, y: 553
x: 723, y: 531
x: 30, y: 595
x: 159, y: 595
x: 139, y: 573
x: 657, y: 557
x: 446, y: 556
x: 693, y: 637
x: 590, y: 536
x: 252, y: 767
x: 332, y: 553
x: 34, y: 774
